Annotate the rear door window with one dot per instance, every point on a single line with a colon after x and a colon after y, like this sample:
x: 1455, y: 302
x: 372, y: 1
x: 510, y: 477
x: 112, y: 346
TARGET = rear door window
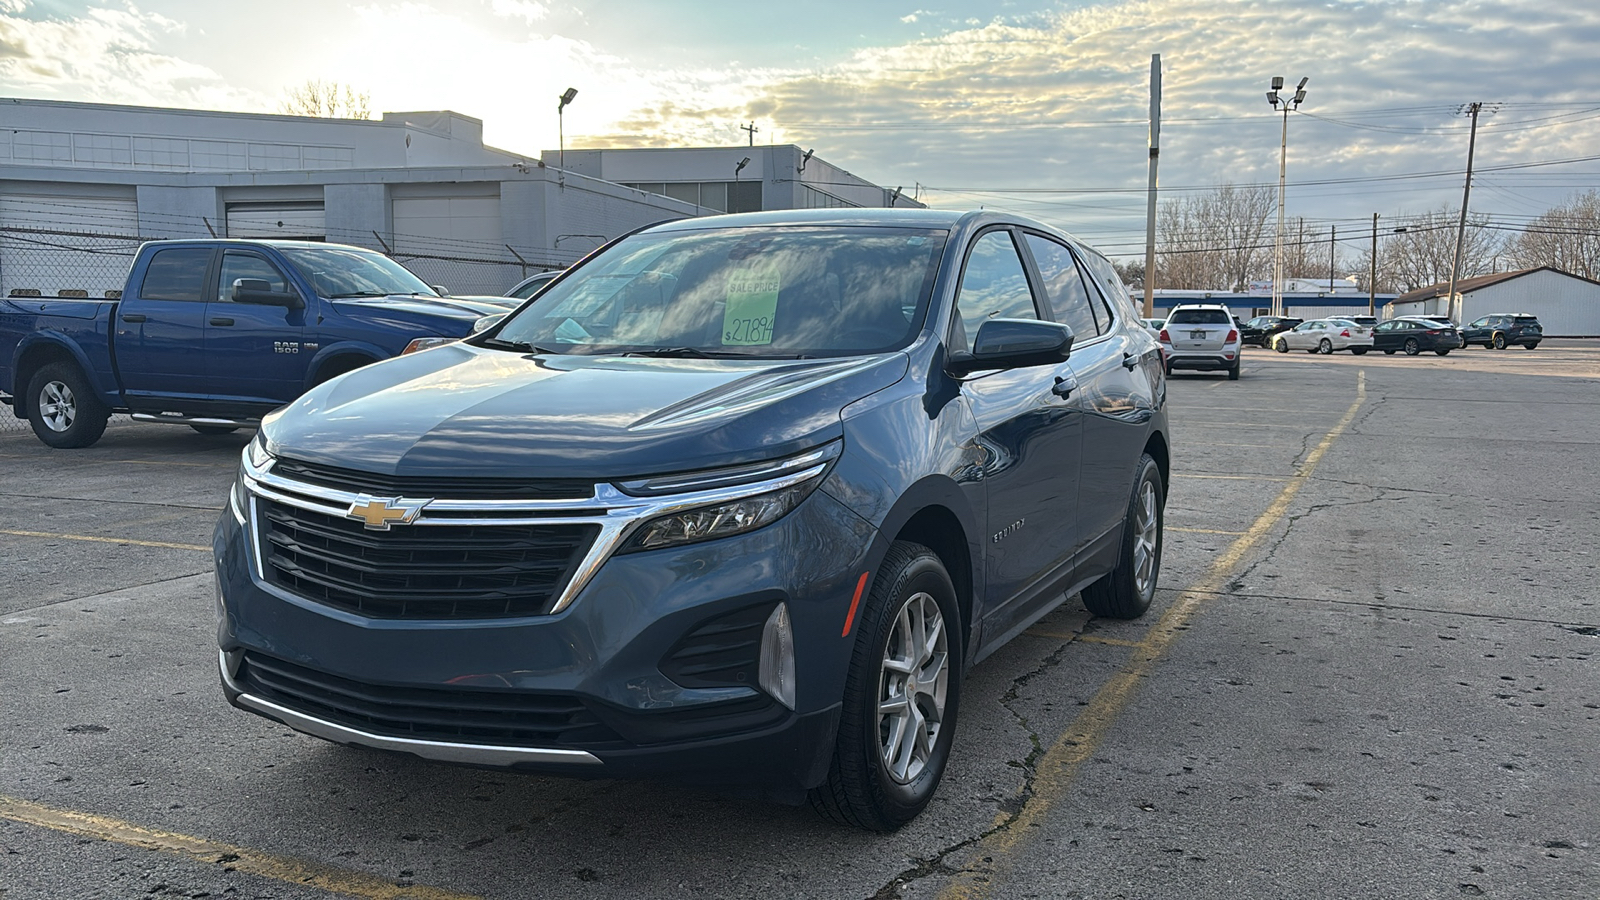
x: 1063, y: 287
x: 177, y: 274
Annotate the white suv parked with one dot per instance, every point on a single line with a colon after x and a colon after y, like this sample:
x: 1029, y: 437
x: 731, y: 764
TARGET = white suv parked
x: 1202, y: 336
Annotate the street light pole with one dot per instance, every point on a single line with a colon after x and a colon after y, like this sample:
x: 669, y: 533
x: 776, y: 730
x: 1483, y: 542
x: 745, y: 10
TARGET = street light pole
x: 1289, y: 102
x: 566, y: 97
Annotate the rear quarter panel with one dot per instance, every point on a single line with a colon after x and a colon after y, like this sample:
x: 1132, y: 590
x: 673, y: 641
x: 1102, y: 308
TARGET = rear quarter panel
x: 37, y: 330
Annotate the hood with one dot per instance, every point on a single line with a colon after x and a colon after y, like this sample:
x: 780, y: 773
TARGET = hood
x: 460, y: 410
x: 451, y: 310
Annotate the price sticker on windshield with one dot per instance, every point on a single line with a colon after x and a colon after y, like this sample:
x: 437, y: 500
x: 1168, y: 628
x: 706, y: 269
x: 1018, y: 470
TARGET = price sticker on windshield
x: 752, y: 305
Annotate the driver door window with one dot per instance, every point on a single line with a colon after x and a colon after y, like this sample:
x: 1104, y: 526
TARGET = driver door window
x: 994, y: 286
x: 236, y: 265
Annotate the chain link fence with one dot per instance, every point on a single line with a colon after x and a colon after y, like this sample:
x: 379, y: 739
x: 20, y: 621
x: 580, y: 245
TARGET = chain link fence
x: 93, y: 265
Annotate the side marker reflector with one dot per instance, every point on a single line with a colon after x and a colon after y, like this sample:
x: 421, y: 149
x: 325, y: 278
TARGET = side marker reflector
x: 850, y: 619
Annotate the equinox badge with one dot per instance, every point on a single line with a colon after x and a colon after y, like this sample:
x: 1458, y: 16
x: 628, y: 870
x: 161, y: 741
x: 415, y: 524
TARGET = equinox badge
x: 381, y: 512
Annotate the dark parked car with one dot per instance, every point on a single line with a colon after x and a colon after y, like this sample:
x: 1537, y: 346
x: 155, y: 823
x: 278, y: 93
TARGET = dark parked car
x: 529, y: 286
x: 1414, y: 336
x: 740, y: 498
x: 1259, y: 331
x: 1502, y: 330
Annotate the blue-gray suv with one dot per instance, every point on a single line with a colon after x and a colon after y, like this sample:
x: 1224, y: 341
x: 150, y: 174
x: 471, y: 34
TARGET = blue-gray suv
x: 739, y: 499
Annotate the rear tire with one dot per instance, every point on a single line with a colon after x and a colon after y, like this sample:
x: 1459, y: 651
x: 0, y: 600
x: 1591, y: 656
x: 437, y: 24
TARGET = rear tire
x: 1359, y: 350
x: 1126, y: 592
x: 1442, y: 351
x: 1499, y: 341
x: 1531, y: 346
x: 891, y: 749
x: 1233, y: 373
x: 1412, y: 347
x: 1388, y: 352
x: 63, y: 409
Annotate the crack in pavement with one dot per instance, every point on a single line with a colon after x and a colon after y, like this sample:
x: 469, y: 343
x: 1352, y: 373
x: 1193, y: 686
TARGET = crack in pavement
x: 1010, y: 807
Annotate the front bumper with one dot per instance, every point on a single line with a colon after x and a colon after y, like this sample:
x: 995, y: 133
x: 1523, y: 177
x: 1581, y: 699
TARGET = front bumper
x: 389, y: 683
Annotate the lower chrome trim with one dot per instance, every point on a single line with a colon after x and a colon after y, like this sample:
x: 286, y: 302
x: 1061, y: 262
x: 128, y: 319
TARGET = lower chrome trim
x: 442, y: 751
x: 195, y: 420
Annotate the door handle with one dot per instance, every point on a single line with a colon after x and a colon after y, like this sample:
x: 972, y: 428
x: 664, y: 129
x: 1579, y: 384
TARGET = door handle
x: 1065, y: 385
x: 133, y: 318
x: 219, y: 320
x: 1129, y: 361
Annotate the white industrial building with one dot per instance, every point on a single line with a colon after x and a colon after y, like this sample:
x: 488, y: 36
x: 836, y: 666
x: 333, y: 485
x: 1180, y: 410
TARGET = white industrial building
x: 1567, y: 305
x: 81, y: 184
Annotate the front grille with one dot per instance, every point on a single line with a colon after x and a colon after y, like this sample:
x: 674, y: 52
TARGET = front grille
x: 455, y: 488
x: 419, y: 571
x: 513, y: 718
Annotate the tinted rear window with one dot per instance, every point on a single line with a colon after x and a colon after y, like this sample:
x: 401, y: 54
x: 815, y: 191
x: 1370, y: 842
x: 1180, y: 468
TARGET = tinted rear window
x: 1199, y: 317
x: 176, y: 274
x: 1526, y: 320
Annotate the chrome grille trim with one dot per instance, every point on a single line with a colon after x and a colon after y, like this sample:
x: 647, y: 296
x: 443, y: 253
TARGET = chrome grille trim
x: 617, y: 514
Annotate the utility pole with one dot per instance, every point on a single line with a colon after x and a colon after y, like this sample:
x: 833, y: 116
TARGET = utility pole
x: 1461, y: 229
x: 1150, y: 205
x: 751, y: 130
x: 1292, y: 101
x: 1333, y: 242
x: 1372, y: 276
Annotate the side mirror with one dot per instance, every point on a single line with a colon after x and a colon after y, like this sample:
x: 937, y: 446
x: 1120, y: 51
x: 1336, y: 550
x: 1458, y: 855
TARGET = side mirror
x: 439, y: 289
x: 487, y: 322
x: 1013, y: 344
x: 254, y: 290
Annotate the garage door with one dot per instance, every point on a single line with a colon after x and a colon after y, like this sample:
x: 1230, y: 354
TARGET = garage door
x: 452, y: 242
x: 281, y: 221
x: 54, y: 244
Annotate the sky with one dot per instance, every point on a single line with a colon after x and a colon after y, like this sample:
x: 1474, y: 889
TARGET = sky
x: 1036, y: 107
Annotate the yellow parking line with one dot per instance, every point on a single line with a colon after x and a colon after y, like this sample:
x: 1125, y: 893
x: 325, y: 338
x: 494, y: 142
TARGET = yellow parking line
x: 1059, y: 764
x: 104, y: 540
x: 241, y: 859
x: 1202, y: 530
x: 1237, y: 477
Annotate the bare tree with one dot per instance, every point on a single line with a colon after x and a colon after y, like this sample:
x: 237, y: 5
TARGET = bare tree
x: 1131, y: 273
x: 1422, y: 254
x: 1217, y: 240
x: 327, y: 99
x: 1567, y: 237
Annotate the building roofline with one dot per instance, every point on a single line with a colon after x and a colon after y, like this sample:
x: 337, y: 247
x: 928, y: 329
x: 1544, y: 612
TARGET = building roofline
x: 387, y: 119
x: 1478, y: 282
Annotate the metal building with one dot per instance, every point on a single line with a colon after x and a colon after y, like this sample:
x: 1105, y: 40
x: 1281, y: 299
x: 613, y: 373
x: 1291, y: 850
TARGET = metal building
x: 1567, y: 305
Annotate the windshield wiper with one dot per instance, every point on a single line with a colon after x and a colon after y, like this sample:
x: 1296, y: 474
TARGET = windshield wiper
x: 518, y: 346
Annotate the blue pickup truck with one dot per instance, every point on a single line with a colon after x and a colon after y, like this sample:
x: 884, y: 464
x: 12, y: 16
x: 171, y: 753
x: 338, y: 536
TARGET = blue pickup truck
x: 214, y: 334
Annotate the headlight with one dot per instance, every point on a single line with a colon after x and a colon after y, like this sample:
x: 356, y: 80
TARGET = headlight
x: 255, y: 458
x: 722, y: 520
x: 426, y: 343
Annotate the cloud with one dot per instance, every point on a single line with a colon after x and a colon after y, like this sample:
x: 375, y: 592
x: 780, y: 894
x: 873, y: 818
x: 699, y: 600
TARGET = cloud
x: 105, y: 55
x: 529, y: 11
x: 913, y: 16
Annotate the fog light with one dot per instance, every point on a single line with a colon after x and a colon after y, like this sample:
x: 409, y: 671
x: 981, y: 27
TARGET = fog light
x: 777, y: 656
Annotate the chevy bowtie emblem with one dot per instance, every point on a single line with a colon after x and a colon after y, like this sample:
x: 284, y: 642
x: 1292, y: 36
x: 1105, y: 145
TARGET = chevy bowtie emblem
x: 378, y: 513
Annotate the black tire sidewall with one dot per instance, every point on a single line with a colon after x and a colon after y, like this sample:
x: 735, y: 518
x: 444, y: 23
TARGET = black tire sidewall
x: 922, y: 572
x: 90, y: 422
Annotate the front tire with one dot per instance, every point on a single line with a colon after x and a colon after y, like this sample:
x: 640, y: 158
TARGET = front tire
x: 1126, y: 592
x: 1281, y: 346
x: 900, y: 696
x: 63, y: 409
x: 1325, y: 347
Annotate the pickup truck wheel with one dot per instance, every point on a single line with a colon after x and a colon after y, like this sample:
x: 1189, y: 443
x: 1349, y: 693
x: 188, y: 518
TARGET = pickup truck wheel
x: 63, y: 409
x: 1126, y: 592
x: 900, y: 696
x: 214, y: 429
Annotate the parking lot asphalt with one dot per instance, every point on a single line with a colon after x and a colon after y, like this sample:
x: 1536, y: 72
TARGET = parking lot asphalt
x: 1371, y: 671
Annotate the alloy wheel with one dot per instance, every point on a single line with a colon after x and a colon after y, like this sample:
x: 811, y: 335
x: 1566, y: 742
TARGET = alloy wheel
x: 1147, y: 529
x: 57, y: 406
x: 912, y: 688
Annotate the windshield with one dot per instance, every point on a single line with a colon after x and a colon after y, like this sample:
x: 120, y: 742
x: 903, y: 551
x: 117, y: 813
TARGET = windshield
x: 1199, y: 317
x: 348, y: 272
x: 739, y: 292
